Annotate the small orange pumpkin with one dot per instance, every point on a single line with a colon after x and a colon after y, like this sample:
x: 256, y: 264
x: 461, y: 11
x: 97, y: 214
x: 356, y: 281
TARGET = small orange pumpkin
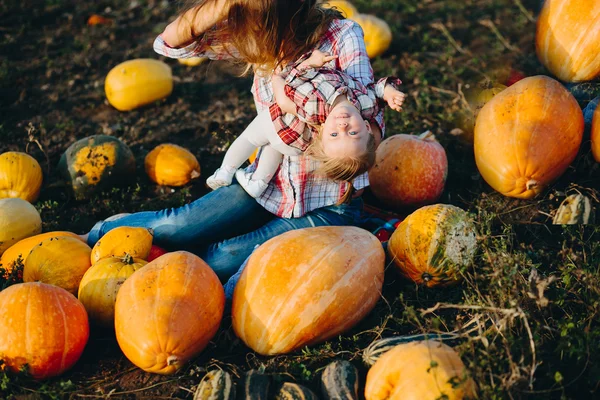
x: 123, y: 240
x: 20, y: 176
x: 595, y: 135
x: 101, y: 283
x: 306, y: 286
x: 567, y: 39
x: 168, y: 311
x: 527, y: 135
x: 426, y: 370
x: 42, y: 326
x: 378, y: 35
x: 433, y: 244
x: 171, y: 165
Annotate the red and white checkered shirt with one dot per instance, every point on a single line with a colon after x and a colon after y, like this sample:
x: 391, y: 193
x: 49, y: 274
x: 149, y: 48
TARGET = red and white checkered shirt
x: 296, y: 189
x: 313, y: 91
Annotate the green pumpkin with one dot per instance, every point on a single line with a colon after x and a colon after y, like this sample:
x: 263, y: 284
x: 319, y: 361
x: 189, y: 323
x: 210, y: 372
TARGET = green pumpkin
x: 292, y: 391
x: 96, y: 163
x: 216, y: 385
x: 340, y: 381
x: 256, y: 386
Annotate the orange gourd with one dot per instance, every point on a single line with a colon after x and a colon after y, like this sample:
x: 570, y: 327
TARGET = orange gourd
x: 172, y: 165
x: 59, y: 261
x: 595, y: 135
x: 306, y: 286
x: 22, y: 248
x: 426, y: 370
x: 42, y: 326
x: 101, y: 283
x: 18, y: 220
x: 433, y: 244
x: 567, y: 39
x: 378, y: 35
x: 409, y: 170
x: 123, y: 240
x: 20, y: 176
x: 168, y: 311
x: 527, y: 135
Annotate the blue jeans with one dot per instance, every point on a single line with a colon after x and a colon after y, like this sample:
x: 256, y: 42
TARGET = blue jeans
x: 224, y: 226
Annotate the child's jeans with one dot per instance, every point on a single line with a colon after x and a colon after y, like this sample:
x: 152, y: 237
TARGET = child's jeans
x: 224, y: 226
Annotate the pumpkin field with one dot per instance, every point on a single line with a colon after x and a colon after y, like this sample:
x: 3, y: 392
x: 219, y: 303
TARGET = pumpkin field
x: 504, y: 137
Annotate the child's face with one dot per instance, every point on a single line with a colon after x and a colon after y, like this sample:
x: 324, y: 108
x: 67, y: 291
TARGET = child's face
x: 345, y: 133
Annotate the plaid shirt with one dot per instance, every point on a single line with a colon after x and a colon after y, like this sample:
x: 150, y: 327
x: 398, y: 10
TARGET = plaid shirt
x: 296, y: 189
x: 313, y: 91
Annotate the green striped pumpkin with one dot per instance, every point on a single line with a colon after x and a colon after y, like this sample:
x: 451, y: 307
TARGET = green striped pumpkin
x: 293, y: 391
x: 339, y: 381
x: 379, y: 347
x: 216, y: 385
x: 575, y: 209
x: 256, y: 385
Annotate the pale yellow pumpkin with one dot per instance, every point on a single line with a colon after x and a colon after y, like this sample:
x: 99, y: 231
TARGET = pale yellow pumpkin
x: 567, y: 39
x: 306, y: 286
x: 168, y: 311
x: 378, y: 35
x: 135, y: 83
x: 426, y: 370
x: 345, y: 7
x: 99, y: 287
x: 192, y: 61
x: 20, y: 176
x: 123, y: 240
x: 527, y: 135
x: 171, y: 165
x: 59, y: 261
x: 18, y: 220
x: 22, y: 248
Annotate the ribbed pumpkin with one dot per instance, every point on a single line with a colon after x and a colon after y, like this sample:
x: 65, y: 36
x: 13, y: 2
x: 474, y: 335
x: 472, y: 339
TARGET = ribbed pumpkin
x: 433, y: 244
x: 476, y: 99
x: 575, y: 209
x: 595, y: 135
x: 340, y: 381
x: 123, y: 240
x: 60, y: 261
x: 42, y: 326
x: 168, y: 311
x: 192, y: 61
x: 567, y: 39
x: 293, y: 391
x: 345, y: 7
x: 171, y: 165
x: 216, y: 385
x: 138, y: 82
x: 409, y: 170
x: 378, y: 35
x: 22, y: 248
x: 527, y: 135
x: 426, y: 370
x: 20, y: 176
x: 306, y: 286
x: 18, y: 220
x: 99, y: 287
x: 96, y: 163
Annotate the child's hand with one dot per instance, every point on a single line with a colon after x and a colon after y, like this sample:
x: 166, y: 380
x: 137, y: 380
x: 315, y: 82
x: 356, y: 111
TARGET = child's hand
x: 393, y: 97
x: 317, y: 59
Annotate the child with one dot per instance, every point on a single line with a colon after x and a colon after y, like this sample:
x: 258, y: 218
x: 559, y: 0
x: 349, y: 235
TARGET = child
x: 321, y: 111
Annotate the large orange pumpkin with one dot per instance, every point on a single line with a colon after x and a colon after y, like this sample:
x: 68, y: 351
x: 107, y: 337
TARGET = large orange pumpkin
x: 59, y: 261
x: 306, y: 286
x: 433, y: 244
x: 409, y: 170
x: 595, y: 135
x: 168, y: 311
x: 123, y: 240
x: 22, y: 248
x: 567, y: 39
x: 100, y: 284
x: 527, y: 135
x: 42, y: 326
x: 426, y: 370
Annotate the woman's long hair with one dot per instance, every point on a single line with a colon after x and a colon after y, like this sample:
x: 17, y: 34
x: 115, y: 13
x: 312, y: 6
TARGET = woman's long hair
x: 271, y: 33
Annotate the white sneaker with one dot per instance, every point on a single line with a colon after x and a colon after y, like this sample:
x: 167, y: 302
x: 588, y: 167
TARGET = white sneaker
x: 222, y: 177
x: 253, y: 187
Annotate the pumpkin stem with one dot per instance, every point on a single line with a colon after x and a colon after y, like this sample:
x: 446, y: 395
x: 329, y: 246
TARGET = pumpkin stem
x: 427, y: 135
x: 532, y: 183
x: 195, y: 174
x: 172, y: 360
x: 127, y: 259
x: 426, y: 277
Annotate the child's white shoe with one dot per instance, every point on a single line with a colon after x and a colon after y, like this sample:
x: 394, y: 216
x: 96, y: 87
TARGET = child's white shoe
x: 222, y: 177
x: 253, y: 187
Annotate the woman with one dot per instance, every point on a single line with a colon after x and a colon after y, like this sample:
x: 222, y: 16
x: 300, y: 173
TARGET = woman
x: 224, y: 226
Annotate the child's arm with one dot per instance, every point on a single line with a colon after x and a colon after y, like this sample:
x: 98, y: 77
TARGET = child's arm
x: 385, y: 89
x: 316, y: 60
x: 284, y: 102
x: 194, y: 22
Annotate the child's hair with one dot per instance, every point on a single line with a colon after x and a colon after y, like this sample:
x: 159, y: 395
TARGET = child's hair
x: 341, y: 168
x: 269, y: 33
